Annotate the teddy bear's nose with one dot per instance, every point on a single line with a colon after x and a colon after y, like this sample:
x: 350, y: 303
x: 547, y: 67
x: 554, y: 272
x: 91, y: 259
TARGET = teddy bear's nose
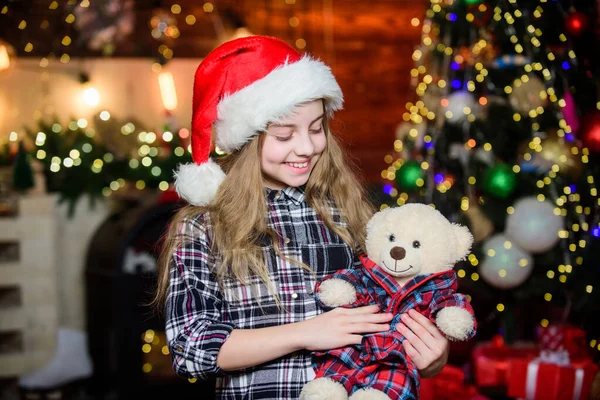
x: 398, y: 253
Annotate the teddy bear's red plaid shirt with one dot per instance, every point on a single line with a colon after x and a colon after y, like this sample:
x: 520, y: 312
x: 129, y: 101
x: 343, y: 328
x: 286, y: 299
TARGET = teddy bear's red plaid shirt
x: 380, y: 361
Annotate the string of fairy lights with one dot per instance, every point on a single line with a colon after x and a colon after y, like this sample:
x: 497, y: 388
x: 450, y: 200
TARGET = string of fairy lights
x: 564, y: 130
x: 163, y: 27
x: 147, y: 152
x: 565, y: 198
x: 65, y: 42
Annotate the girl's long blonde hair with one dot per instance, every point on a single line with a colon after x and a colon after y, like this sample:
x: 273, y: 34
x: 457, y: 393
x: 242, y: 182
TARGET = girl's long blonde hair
x: 238, y: 214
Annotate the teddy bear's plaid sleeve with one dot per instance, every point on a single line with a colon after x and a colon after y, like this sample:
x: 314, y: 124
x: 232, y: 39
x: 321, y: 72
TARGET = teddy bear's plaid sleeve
x: 449, y: 298
x: 354, y: 277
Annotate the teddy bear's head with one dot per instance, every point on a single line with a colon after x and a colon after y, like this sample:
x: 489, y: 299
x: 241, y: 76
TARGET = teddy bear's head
x: 415, y: 239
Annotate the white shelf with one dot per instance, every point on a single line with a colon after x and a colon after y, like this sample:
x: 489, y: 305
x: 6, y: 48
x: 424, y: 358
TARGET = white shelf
x: 29, y: 309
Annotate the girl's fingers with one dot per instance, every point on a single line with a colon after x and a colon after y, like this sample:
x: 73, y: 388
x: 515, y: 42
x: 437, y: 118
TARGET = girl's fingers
x: 365, y: 310
x: 416, y: 342
x: 370, y: 328
x: 426, y: 323
x: 419, y: 331
x: 355, y: 339
x: 413, y: 354
x: 371, y: 318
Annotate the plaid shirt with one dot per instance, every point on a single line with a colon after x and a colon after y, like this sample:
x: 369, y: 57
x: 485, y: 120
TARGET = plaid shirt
x: 200, y: 316
x: 380, y: 361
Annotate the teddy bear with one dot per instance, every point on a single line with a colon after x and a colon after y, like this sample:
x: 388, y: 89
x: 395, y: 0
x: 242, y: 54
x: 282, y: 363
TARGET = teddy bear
x: 411, y: 251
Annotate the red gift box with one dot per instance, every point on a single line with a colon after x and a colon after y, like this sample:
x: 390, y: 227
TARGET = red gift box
x: 540, y: 379
x: 576, y: 342
x: 448, y: 385
x: 491, y: 361
x: 551, y: 337
x: 563, y: 336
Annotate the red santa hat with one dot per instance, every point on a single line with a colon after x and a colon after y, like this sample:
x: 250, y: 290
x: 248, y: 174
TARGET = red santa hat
x: 241, y: 87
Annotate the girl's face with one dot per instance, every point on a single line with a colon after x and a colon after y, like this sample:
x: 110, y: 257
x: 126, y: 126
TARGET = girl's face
x: 293, y: 146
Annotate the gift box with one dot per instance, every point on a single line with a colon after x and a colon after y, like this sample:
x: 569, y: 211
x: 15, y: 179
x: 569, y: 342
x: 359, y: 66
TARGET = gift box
x: 491, y: 361
x: 551, y: 337
x: 449, y: 384
x: 563, y: 336
x: 551, y: 376
x: 576, y: 343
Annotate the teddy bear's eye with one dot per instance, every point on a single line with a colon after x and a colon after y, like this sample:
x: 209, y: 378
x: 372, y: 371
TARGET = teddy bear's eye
x: 416, y: 244
x: 392, y: 238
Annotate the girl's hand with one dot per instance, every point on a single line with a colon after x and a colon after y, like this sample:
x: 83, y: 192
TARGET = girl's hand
x: 341, y: 327
x: 424, y: 343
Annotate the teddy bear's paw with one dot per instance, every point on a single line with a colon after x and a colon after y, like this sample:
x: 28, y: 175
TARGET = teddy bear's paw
x: 323, y: 389
x: 455, y: 322
x: 336, y: 292
x: 369, y: 394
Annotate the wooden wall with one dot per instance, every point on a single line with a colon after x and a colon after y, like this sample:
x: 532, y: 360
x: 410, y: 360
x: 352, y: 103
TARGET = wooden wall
x: 368, y: 44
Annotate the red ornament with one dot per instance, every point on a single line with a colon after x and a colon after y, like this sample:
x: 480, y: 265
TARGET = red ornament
x: 576, y: 23
x: 497, y: 341
x: 589, y: 133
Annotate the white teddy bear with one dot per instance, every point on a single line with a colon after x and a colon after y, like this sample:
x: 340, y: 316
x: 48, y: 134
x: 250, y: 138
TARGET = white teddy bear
x: 412, y: 251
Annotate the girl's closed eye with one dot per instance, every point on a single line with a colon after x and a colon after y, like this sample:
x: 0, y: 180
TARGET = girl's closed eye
x: 283, y: 138
x: 318, y: 130
x: 282, y: 134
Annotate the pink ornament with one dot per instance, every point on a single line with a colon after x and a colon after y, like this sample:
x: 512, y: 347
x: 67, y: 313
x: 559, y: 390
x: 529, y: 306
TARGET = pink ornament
x: 570, y: 112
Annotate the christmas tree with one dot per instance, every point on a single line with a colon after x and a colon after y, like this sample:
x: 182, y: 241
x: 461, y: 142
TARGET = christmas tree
x: 22, y: 172
x: 504, y: 136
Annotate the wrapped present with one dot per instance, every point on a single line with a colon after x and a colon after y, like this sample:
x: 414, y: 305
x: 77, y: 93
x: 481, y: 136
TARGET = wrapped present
x: 576, y: 342
x: 551, y: 337
x: 551, y: 376
x: 491, y: 361
x: 563, y: 336
x: 449, y: 384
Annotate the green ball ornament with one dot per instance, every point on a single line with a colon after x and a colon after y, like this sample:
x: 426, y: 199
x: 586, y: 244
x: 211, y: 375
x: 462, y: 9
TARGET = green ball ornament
x: 410, y: 176
x: 500, y: 181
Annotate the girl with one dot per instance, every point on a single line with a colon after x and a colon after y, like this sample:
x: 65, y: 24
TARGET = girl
x: 240, y: 263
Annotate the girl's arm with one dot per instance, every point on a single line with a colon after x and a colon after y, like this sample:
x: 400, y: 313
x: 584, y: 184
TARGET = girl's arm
x: 202, y: 345
x: 249, y: 347
x: 194, y: 327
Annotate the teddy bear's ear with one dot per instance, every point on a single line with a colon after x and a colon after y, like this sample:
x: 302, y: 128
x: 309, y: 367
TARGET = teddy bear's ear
x: 464, y: 241
x: 377, y: 219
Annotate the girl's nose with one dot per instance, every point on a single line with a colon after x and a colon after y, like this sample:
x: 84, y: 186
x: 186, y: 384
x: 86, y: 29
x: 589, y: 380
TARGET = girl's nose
x: 305, y: 146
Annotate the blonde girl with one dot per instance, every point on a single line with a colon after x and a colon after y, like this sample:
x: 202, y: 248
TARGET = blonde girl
x: 281, y: 211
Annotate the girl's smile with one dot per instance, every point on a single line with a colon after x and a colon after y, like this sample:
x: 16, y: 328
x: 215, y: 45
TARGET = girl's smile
x: 293, y: 146
x: 299, y: 167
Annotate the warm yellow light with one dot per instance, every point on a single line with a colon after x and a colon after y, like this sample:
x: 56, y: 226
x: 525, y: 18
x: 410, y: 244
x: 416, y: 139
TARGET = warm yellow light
x: 167, y: 90
x: 91, y: 97
x: 4, y: 57
x: 300, y: 43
